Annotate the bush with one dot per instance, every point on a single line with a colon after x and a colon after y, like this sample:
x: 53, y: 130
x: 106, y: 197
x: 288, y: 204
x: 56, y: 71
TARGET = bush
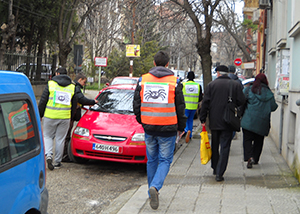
x: 94, y: 86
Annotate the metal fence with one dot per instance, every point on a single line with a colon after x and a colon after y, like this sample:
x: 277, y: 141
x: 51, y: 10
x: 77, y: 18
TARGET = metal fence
x: 37, y: 69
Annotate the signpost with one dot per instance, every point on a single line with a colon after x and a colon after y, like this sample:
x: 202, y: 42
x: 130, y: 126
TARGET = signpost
x: 132, y: 51
x: 238, y: 61
x: 100, y: 62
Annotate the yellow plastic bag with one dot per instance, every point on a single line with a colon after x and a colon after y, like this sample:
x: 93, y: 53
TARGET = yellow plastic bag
x: 205, y: 150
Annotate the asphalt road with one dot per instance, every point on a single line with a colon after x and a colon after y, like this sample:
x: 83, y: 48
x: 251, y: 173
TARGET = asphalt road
x: 91, y: 187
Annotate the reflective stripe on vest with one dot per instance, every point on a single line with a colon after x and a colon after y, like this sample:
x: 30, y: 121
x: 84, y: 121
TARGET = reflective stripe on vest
x: 191, y: 91
x: 158, y: 100
x: 59, y: 102
x: 21, y: 124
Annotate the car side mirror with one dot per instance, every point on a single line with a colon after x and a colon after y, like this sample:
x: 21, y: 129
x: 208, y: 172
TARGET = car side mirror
x: 107, y: 84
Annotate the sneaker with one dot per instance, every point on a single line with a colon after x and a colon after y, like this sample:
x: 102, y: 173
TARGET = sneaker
x: 153, y: 198
x: 250, y: 163
x: 187, y: 137
x: 49, y: 163
x: 57, y: 165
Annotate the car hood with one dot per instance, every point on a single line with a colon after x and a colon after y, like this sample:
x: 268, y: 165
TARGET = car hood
x: 110, y: 124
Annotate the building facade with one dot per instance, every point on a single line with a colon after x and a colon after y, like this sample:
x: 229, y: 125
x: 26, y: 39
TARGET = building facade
x: 278, y: 55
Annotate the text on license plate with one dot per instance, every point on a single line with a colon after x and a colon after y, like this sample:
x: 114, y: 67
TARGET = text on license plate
x: 106, y: 148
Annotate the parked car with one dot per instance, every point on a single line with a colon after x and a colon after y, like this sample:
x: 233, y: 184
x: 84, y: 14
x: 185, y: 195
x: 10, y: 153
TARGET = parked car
x: 124, y: 80
x: 22, y: 159
x: 249, y: 81
x: 109, y: 131
x: 46, y: 72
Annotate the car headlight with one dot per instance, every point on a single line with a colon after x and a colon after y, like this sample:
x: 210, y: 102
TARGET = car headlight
x: 138, y: 137
x: 82, y: 131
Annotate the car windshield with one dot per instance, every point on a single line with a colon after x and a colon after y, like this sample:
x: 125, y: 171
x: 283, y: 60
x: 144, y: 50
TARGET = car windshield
x: 123, y: 81
x: 117, y: 101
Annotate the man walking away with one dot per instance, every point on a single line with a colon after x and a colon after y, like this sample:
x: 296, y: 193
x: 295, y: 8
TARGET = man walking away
x: 159, y: 106
x: 213, y: 104
x: 192, y: 93
x: 57, y: 105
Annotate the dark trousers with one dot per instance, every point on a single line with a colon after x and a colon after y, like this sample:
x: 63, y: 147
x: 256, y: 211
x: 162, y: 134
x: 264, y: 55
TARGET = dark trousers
x: 253, y: 144
x: 221, y: 140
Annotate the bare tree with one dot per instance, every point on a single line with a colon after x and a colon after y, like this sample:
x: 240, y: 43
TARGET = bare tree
x: 8, y: 30
x: 101, y: 31
x: 67, y: 29
x: 201, y: 13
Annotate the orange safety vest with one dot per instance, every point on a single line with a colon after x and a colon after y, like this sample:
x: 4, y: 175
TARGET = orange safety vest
x: 158, y: 100
x: 21, y: 124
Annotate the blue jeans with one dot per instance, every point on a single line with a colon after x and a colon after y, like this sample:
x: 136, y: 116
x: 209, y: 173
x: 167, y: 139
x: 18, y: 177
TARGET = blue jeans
x: 189, y: 122
x: 160, y: 151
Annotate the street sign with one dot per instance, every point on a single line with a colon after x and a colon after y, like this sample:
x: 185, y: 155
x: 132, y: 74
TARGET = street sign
x: 238, y: 61
x: 132, y: 50
x: 100, y: 61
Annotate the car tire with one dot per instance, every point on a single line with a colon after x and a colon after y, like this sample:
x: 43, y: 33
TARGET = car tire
x: 74, y: 158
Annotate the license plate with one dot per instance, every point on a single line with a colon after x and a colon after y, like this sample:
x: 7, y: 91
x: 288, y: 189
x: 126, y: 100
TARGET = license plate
x: 106, y: 148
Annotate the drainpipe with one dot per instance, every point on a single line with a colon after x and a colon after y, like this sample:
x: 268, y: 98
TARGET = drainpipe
x: 281, y: 123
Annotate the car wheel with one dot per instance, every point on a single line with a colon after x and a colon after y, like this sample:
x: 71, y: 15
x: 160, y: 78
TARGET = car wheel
x: 74, y: 158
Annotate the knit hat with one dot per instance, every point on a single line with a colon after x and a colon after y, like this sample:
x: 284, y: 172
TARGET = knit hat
x: 222, y: 68
x: 231, y: 69
x: 62, y: 70
x: 191, y: 75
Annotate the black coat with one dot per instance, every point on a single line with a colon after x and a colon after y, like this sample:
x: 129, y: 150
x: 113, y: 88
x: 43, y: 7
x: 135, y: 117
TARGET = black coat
x: 62, y: 80
x: 167, y: 130
x: 215, y: 99
x: 81, y: 100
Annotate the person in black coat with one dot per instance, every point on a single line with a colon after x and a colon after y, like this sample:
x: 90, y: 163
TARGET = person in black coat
x: 80, y: 81
x: 213, y: 104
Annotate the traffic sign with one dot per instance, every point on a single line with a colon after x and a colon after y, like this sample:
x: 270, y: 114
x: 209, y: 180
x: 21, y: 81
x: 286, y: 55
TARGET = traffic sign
x: 100, y: 61
x: 238, y: 61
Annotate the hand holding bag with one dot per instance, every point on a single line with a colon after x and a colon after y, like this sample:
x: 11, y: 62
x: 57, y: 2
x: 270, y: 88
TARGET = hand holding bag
x: 231, y: 113
x: 205, y: 150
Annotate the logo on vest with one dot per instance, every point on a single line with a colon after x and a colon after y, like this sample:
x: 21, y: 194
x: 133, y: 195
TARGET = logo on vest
x: 63, y: 98
x: 156, y: 93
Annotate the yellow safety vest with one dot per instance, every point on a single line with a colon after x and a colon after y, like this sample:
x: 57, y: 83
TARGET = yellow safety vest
x: 59, y: 102
x: 191, y: 91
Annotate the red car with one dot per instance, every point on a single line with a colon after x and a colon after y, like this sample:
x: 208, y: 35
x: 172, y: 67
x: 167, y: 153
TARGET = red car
x: 109, y: 131
x: 124, y: 80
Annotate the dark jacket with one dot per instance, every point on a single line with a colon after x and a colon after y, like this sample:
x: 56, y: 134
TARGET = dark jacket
x: 62, y: 80
x: 81, y: 100
x: 168, y: 130
x: 215, y: 99
x: 235, y: 77
x: 258, y: 112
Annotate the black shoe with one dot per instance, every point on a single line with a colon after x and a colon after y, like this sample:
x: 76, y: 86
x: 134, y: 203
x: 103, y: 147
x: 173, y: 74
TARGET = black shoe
x: 214, y: 172
x: 250, y: 163
x: 49, y: 163
x: 154, y: 202
x: 57, y: 165
x: 219, y: 178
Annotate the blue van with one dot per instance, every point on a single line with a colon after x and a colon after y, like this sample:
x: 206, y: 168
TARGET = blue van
x: 22, y: 159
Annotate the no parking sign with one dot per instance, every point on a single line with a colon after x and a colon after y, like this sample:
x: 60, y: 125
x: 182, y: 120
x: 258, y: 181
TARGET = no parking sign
x: 238, y: 61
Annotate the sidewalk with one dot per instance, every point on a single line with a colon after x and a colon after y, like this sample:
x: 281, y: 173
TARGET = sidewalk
x: 190, y: 187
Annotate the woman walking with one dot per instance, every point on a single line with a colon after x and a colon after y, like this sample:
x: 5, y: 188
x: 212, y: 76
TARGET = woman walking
x: 256, y: 119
